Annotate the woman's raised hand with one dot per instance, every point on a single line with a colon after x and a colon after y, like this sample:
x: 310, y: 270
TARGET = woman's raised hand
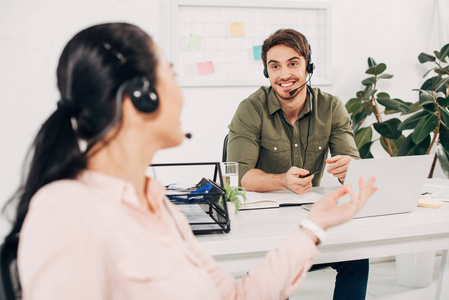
x: 327, y: 212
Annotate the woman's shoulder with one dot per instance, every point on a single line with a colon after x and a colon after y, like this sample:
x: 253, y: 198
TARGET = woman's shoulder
x: 61, y: 192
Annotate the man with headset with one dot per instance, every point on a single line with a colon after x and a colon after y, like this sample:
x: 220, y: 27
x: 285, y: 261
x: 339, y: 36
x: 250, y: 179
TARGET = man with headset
x: 280, y: 136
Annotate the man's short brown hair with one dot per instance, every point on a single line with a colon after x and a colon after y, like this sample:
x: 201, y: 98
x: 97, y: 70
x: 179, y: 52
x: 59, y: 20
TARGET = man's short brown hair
x: 290, y: 38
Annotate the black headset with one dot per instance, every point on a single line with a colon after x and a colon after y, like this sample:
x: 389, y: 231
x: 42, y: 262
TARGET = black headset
x: 309, y: 68
x: 141, y: 92
x: 143, y: 95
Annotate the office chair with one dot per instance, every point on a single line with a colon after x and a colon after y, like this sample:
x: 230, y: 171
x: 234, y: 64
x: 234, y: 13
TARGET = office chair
x: 225, y: 149
x: 10, y: 288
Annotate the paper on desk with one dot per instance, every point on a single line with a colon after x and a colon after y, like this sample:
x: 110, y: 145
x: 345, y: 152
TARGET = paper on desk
x: 195, y: 214
x: 437, y: 189
x: 278, y: 198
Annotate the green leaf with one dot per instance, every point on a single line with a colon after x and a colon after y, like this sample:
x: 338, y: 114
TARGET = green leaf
x: 386, y: 76
x: 442, y: 155
x: 424, y: 57
x: 443, y: 102
x: 363, y: 136
x: 369, y: 81
x: 425, y: 98
x: 413, y: 108
x: 412, y: 121
x: 424, y: 128
x: 359, y: 118
x: 388, y: 129
x: 368, y: 93
x: 426, y: 101
x: 431, y: 83
x: 442, y: 71
x: 353, y: 105
x: 408, y: 147
x: 444, y: 52
x: 360, y: 94
x: 365, y: 151
x: 383, y: 95
x: 444, y: 116
x: 394, y: 144
x: 425, y: 74
x: 371, y: 62
x: 390, y: 111
x: 441, y: 84
x: 437, y: 54
x: 376, y: 69
x: 444, y: 136
x: 394, y: 104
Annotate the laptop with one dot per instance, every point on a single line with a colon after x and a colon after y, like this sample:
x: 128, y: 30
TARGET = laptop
x: 400, y: 181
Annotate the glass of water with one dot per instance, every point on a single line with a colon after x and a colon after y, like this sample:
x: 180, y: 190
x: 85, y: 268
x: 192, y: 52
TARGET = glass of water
x: 231, y: 173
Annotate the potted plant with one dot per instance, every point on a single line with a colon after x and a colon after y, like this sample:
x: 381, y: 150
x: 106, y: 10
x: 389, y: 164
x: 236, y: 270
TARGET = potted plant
x: 429, y: 125
x: 433, y: 117
x: 429, y: 120
x: 369, y: 101
x: 235, y: 196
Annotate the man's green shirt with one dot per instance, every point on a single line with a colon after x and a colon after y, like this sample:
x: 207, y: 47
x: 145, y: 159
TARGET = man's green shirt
x: 260, y: 135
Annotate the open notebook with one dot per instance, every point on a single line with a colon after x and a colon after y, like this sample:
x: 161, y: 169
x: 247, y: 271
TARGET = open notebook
x: 278, y: 198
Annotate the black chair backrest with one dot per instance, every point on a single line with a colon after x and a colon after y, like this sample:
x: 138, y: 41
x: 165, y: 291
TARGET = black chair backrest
x: 10, y: 288
x: 225, y: 149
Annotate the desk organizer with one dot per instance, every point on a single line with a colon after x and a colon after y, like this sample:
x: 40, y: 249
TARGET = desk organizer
x: 201, y: 199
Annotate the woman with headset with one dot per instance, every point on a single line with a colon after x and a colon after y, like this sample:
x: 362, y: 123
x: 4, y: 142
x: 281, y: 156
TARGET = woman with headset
x: 92, y: 226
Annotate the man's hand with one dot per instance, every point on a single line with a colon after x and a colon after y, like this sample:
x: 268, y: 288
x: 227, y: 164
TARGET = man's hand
x: 298, y: 185
x: 338, y: 166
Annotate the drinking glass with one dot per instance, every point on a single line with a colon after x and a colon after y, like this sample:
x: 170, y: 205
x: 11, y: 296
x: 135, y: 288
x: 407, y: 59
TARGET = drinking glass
x: 231, y: 173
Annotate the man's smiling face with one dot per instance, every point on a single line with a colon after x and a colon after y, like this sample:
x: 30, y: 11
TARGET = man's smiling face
x: 286, y: 69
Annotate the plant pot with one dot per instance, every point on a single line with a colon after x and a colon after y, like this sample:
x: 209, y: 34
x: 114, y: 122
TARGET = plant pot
x: 415, y: 270
x: 231, y: 210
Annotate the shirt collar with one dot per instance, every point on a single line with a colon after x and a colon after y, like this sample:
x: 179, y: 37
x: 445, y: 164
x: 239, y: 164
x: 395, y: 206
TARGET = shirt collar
x: 274, y: 105
x: 120, y: 190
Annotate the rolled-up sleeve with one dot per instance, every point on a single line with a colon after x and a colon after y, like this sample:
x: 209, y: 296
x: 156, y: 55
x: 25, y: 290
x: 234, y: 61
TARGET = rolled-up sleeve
x: 341, y: 141
x: 244, y: 137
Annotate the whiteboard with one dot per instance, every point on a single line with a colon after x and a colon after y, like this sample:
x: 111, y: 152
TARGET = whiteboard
x: 214, y: 43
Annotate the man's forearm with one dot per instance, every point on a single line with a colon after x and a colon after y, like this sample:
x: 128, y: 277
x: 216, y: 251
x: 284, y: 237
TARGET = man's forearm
x: 258, y: 181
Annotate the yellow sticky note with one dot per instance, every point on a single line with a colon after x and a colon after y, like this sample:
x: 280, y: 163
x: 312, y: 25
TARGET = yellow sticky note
x: 429, y: 202
x: 237, y: 29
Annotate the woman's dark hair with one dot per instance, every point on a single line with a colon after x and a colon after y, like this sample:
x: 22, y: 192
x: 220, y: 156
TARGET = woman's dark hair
x: 93, y: 65
x: 287, y: 37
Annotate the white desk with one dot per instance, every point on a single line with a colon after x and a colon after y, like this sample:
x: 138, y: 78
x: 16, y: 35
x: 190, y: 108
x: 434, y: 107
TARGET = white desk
x: 254, y: 233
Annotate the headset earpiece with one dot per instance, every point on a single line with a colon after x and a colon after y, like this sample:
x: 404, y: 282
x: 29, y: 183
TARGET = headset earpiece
x: 143, y: 95
x: 310, y: 66
x: 265, y: 73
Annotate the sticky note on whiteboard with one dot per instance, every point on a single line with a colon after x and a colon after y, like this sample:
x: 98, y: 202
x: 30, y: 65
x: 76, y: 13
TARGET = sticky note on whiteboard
x: 194, y: 41
x: 257, y: 52
x: 237, y: 29
x: 205, y: 67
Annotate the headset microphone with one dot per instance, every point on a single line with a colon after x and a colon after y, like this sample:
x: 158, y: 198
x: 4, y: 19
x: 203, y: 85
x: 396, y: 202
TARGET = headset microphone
x: 188, y: 135
x: 294, y: 91
x: 307, y: 81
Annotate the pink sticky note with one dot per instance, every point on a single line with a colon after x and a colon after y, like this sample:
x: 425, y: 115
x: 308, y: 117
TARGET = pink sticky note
x: 205, y: 67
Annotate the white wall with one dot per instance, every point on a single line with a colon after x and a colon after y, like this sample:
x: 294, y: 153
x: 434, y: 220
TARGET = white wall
x: 33, y: 34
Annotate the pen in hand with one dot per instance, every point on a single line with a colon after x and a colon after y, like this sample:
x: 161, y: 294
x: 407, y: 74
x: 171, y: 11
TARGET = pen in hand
x: 310, y: 174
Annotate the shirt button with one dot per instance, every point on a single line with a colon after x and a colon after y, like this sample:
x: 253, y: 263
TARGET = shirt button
x: 275, y: 148
x: 296, y: 145
x: 319, y: 147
